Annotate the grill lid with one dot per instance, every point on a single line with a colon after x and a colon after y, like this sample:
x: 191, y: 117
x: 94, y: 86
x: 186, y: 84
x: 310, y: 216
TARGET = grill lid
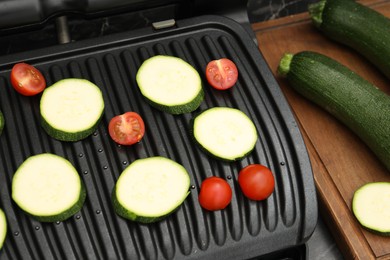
x: 16, y: 14
x: 32, y: 12
x: 243, y: 230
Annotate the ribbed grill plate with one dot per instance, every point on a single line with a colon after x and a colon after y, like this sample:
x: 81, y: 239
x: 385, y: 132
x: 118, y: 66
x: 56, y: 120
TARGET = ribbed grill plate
x: 245, y: 229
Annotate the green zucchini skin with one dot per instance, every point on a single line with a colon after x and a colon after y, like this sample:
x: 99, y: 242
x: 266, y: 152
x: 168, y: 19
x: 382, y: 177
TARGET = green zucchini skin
x: 165, y: 72
x: 68, y: 136
x: 127, y: 214
x: 357, y: 26
x: 357, y: 103
x: 73, y: 96
x: 179, y: 109
x: 369, y: 204
x: 34, y: 167
x: 3, y: 228
x: 211, y: 153
x: 66, y: 214
x: 138, y: 183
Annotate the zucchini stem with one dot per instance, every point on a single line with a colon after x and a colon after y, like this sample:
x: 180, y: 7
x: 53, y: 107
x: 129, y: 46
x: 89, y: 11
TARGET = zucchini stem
x: 315, y: 11
x: 284, y: 65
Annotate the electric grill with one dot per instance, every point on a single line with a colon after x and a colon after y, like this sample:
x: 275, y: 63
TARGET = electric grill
x: 196, y: 31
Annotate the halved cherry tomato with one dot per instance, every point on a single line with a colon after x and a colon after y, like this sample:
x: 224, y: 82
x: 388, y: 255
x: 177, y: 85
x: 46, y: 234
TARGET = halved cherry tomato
x: 221, y: 74
x: 215, y: 193
x: 27, y: 80
x: 256, y: 181
x: 126, y: 129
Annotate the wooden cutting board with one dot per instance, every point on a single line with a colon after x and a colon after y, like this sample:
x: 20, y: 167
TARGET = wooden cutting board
x: 341, y: 162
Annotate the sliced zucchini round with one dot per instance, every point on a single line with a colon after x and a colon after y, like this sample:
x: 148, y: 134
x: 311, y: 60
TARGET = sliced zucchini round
x: 170, y: 84
x: 71, y: 109
x: 226, y: 133
x: 3, y: 228
x: 48, y: 187
x: 371, y: 206
x: 2, y: 121
x: 150, y: 189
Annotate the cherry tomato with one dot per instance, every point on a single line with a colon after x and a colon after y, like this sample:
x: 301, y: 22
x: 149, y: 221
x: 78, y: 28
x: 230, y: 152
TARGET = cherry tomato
x: 221, y: 74
x: 27, y: 80
x: 126, y: 129
x: 256, y: 181
x: 215, y: 193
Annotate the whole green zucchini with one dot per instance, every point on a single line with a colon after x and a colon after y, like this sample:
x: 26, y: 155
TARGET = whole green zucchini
x: 357, y: 103
x: 356, y: 26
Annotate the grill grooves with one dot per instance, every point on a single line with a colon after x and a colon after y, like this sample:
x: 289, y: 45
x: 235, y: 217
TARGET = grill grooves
x: 96, y: 232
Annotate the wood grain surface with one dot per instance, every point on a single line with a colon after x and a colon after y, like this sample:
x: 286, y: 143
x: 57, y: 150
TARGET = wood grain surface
x: 341, y: 161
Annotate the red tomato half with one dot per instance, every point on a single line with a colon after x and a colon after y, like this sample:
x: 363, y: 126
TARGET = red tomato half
x: 256, y: 181
x: 221, y: 74
x: 27, y: 80
x: 215, y: 193
x: 126, y: 129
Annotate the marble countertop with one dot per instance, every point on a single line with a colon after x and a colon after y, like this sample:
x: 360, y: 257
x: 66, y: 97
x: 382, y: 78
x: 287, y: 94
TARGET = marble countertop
x: 321, y: 245
x: 259, y: 10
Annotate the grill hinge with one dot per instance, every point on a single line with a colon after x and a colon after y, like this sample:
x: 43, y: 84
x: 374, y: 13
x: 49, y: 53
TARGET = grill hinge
x: 63, y: 35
